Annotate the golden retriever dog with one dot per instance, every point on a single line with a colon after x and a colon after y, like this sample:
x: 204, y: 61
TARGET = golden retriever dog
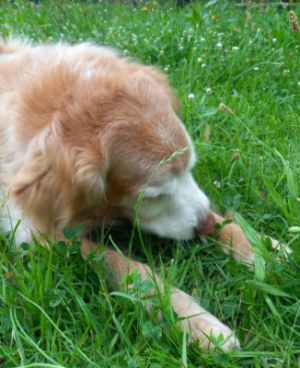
x: 82, y: 133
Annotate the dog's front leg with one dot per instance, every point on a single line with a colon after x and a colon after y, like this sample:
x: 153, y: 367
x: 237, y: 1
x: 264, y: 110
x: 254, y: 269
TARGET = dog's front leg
x: 201, y: 325
x: 232, y: 239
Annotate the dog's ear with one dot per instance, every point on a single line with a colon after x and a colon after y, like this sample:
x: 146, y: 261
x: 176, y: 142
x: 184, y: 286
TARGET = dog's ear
x: 57, y: 183
x: 36, y: 186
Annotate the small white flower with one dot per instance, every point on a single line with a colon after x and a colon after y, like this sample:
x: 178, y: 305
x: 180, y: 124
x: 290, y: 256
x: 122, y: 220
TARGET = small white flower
x: 286, y: 72
x: 166, y: 69
x: 105, y: 10
x: 199, y: 60
x: 203, y: 66
x: 219, y: 46
x: 191, y: 97
x: 191, y: 31
x: 235, y: 49
x: 208, y: 91
x: 217, y: 184
x: 180, y: 47
x: 294, y: 229
x: 250, y: 42
x: 126, y: 52
x: 202, y: 39
x: 220, y: 34
x: 299, y: 84
x: 161, y: 52
x: 256, y: 69
x: 274, y: 40
x: 189, y: 38
x: 181, y: 40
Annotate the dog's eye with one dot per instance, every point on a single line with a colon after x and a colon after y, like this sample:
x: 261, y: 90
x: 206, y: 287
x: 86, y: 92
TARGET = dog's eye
x: 160, y: 197
x: 155, y: 198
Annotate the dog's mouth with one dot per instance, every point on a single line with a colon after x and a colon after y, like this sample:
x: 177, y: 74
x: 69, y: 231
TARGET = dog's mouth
x: 208, y: 229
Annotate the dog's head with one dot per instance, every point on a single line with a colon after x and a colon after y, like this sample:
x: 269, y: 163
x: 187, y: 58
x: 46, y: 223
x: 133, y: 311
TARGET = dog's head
x: 113, y: 135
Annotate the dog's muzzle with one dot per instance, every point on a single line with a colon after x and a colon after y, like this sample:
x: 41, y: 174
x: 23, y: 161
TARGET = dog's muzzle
x: 208, y: 228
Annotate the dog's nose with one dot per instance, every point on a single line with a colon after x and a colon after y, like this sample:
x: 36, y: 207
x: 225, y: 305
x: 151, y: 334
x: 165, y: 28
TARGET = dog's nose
x: 208, y: 228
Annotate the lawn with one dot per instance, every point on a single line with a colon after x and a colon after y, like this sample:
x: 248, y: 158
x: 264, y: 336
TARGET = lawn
x: 56, y: 312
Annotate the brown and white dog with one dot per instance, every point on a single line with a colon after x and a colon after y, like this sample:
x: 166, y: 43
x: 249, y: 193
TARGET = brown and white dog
x: 81, y: 133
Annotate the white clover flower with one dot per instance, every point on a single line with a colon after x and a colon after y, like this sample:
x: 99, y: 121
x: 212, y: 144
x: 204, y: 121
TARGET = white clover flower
x: 166, y: 69
x: 217, y: 184
x: 161, y: 52
x: 256, y: 69
x: 191, y: 97
x: 220, y: 34
x: 199, y: 60
x: 286, y: 72
x: 202, y: 39
x: 191, y: 31
x: 208, y: 91
x: 274, y: 40
x: 250, y: 42
x: 219, y: 46
x: 235, y: 49
x: 299, y: 84
x: 181, y: 40
x: 180, y: 47
x: 294, y: 229
x: 203, y: 66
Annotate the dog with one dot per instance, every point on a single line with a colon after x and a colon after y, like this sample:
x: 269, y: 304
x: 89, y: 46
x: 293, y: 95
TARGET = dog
x: 83, y: 134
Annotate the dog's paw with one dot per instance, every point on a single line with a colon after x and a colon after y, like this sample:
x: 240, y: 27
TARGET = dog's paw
x: 280, y: 246
x: 202, y: 327
x: 209, y: 332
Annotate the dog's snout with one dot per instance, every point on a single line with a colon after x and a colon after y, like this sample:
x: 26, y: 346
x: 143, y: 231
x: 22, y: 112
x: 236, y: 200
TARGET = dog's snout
x: 208, y: 228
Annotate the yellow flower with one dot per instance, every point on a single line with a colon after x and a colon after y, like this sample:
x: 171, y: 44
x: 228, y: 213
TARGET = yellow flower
x: 214, y: 87
x: 234, y: 28
x: 155, y: 2
x: 213, y: 17
x: 144, y: 9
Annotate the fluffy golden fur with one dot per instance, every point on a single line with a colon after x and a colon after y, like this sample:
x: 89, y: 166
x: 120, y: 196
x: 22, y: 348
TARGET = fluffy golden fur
x: 81, y: 132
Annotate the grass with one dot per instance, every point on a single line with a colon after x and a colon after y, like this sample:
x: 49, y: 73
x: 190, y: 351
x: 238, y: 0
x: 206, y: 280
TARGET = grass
x: 56, y: 312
